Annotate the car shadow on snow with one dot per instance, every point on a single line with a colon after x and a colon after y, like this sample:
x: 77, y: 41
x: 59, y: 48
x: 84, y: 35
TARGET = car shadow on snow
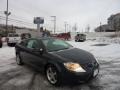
x: 40, y: 75
x: 37, y: 79
x: 99, y: 44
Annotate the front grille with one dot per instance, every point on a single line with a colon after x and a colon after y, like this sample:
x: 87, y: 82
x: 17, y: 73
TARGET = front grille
x: 90, y: 66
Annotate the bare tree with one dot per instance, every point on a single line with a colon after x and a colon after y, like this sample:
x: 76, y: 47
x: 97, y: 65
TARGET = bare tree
x: 115, y: 26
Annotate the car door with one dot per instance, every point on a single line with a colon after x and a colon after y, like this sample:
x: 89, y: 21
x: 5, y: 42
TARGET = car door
x: 33, y: 56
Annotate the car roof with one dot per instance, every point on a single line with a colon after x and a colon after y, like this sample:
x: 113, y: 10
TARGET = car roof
x: 41, y: 38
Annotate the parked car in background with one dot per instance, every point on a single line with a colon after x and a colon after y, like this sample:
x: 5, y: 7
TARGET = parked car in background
x: 25, y: 36
x: 64, y: 36
x: 12, y: 39
x: 80, y: 37
x: 1, y: 43
x: 57, y: 59
x: 54, y: 35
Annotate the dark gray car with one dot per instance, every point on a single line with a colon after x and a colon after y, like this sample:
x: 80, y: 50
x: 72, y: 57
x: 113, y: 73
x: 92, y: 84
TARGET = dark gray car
x: 58, y: 59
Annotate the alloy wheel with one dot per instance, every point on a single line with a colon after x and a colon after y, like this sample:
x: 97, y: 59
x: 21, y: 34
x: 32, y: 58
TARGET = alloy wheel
x: 51, y: 73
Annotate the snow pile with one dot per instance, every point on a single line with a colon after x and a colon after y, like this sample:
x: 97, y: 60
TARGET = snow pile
x: 108, y: 40
x: 108, y: 51
x: 6, y: 53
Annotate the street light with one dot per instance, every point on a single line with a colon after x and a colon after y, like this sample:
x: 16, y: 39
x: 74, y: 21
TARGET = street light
x: 7, y: 13
x: 65, y: 26
x: 54, y: 23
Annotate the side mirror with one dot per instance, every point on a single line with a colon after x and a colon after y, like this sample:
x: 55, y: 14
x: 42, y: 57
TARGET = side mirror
x: 41, y: 50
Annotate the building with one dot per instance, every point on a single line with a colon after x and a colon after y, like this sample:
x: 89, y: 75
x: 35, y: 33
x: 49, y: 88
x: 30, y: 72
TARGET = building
x: 113, y: 24
x: 104, y: 28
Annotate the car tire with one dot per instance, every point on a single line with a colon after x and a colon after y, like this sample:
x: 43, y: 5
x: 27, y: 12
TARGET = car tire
x: 9, y: 44
x: 0, y: 45
x: 76, y: 40
x: 81, y: 40
x: 18, y: 59
x: 53, y: 75
x: 13, y: 44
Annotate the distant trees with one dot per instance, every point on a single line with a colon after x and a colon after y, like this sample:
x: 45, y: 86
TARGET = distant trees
x: 116, y: 26
x: 113, y: 25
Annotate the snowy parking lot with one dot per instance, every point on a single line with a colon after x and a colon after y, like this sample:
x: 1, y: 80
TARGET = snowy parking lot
x: 14, y: 77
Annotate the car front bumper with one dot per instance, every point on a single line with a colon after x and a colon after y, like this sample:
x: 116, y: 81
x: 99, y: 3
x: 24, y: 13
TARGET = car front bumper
x: 80, y: 76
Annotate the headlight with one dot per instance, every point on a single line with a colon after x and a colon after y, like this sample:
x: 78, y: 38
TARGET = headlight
x: 74, y: 67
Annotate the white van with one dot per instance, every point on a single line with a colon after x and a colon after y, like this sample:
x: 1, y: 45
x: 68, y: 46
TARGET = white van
x: 13, y: 38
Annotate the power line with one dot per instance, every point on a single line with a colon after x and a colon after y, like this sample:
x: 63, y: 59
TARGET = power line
x: 23, y: 24
x: 15, y: 21
x: 21, y: 18
x: 11, y: 19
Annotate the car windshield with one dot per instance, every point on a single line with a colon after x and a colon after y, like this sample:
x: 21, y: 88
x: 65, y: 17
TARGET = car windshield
x: 13, y: 35
x: 55, y: 44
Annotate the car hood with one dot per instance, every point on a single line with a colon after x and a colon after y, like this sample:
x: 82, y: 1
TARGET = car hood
x: 75, y: 55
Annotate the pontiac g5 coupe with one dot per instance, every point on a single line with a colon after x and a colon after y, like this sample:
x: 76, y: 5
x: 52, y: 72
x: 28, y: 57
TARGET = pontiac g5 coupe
x: 59, y: 60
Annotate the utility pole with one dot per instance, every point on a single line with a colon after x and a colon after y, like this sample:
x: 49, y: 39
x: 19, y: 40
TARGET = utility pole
x: 68, y: 27
x: 54, y: 17
x: 7, y: 13
x: 65, y: 26
x: 88, y: 28
x: 75, y: 27
x: 100, y: 27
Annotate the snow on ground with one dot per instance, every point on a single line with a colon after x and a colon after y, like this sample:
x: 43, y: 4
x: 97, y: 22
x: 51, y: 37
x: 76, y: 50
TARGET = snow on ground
x: 14, y: 77
x: 7, y: 55
x: 99, y: 49
x: 6, y: 52
x: 108, y: 40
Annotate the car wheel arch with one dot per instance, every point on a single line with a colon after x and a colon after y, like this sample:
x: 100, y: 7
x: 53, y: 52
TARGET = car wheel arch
x: 18, y: 56
x: 17, y: 52
x: 53, y: 64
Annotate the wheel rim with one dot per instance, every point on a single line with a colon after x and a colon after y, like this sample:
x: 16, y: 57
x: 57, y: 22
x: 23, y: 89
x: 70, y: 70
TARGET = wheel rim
x: 52, y: 75
x: 18, y: 59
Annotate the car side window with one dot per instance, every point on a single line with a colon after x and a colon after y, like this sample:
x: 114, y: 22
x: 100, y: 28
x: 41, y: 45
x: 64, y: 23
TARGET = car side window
x: 32, y: 44
x: 23, y: 43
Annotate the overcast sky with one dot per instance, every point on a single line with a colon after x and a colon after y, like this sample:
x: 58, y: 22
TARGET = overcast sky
x: 79, y: 12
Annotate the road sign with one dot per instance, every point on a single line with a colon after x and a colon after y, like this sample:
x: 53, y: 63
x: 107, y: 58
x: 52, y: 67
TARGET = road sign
x: 38, y: 20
